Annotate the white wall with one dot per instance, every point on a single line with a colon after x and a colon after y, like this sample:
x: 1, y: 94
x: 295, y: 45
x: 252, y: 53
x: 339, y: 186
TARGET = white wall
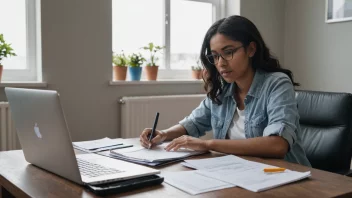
x: 268, y: 16
x: 76, y: 45
x: 232, y: 7
x: 318, y: 53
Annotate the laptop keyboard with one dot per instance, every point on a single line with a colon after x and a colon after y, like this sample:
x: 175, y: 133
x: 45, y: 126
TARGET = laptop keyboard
x: 89, y: 169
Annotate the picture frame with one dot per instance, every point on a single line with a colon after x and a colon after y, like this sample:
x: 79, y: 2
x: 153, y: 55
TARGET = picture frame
x: 338, y: 11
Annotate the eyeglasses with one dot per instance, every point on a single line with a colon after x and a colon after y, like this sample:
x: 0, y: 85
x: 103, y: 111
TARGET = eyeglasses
x: 226, y: 55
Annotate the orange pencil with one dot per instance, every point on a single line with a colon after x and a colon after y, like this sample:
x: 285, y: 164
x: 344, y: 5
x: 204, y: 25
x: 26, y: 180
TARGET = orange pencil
x: 274, y: 170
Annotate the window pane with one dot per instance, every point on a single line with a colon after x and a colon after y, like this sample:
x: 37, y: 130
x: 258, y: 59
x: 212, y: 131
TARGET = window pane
x: 13, y: 26
x: 189, y: 22
x: 137, y: 23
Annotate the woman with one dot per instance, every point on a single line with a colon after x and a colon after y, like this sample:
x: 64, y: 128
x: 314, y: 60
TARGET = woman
x: 250, y: 104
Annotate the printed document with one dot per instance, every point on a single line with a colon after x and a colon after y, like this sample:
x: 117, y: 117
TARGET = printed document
x: 243, y: 173
x: 103, y: 144
x: 194, y: 183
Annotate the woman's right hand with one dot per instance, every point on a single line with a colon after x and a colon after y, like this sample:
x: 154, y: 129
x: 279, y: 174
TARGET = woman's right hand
x: 158, y: 138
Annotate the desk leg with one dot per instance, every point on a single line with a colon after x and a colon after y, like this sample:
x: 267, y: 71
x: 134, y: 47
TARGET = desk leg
x: 4, y: 193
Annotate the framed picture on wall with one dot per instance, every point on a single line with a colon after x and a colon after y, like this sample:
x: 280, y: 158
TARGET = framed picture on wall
x: 338, y: 10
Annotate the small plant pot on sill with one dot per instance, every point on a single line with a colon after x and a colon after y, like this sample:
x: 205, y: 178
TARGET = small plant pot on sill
x: 135, y: 73
x: 119, y: 72
x: 197, y: 74
x: 152, y: 72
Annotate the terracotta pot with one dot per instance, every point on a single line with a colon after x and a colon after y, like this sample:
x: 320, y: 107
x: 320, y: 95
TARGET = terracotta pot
x: 120, y: 72
x: 1, y: 68
x: 152, y: 72
x: 197, y: 74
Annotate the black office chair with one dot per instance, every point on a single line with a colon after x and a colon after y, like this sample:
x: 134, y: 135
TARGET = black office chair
x: 326, y: 124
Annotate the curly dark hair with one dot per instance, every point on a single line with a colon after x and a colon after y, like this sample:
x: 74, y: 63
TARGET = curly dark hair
x: 237, y: 28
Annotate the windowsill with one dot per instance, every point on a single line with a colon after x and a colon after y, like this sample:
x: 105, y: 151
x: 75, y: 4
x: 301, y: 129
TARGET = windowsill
x: 157, y: 82
x: 24, y: 84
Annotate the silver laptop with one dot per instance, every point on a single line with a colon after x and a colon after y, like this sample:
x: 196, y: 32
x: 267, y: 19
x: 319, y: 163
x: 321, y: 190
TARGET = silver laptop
x: 45, y: 139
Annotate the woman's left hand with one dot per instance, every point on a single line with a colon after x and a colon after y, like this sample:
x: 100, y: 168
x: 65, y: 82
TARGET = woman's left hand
x: 189, y: 142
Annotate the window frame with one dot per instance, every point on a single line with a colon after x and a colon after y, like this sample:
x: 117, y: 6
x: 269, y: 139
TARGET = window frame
x: 33, y: 45
x: 167, y: 73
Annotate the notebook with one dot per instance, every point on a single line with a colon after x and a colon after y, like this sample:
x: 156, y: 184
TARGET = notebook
x: 156, y: 154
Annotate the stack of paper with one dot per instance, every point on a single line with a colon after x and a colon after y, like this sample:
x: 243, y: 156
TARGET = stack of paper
x: 243, y: 173
x: 255, y: 179
x: 194, y: 183
x: 157, y: 154
x: 94, y: 146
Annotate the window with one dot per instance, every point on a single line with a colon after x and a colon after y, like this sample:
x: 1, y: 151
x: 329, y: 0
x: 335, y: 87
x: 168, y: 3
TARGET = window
x: 20, y: 28
x: 179, y: 25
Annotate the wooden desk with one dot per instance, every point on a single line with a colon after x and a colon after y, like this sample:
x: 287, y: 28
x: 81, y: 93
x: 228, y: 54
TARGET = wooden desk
x: 20, y: 179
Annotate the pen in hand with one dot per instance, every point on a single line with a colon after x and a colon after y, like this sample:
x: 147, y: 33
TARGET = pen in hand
x: 153, y: 129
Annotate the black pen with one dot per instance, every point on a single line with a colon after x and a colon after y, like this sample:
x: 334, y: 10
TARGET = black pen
x: 153, y: 129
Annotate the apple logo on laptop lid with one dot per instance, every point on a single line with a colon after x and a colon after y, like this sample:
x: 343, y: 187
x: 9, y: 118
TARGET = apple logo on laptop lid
x: 37, y: 131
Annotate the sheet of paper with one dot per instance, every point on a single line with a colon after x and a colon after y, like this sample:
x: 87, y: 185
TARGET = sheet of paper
x: 260, y: 182
x: 256, y: 180
x: 194, y: 183
x: 157, y: 153
x: 118, y: 146
x: 250, y: 175
x: 95, y: 144
x: 215, y: 162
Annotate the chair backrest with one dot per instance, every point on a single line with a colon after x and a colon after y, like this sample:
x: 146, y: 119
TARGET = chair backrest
x: 325, y: 119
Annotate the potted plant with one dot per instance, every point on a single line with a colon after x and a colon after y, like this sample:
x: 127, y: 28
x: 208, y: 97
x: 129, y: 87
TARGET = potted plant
x: 120, y: 63
x: 152, y: 68
x: 5, y: 51
x: 197, y: 71
x: 135, y: 63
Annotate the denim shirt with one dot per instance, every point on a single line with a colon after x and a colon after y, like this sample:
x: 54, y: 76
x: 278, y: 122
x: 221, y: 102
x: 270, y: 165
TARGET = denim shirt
x: 270, y: 109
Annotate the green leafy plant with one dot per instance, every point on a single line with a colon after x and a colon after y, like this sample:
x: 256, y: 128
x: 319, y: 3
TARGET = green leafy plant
x: 136, y: 60
x: 5, y: 49
x: 153, y: 49
x: 120, y: 59
x: 197, y: 67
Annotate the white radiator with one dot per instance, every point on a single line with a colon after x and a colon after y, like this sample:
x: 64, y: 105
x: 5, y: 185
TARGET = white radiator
x: 8, y: 136
x: 138, y: 113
